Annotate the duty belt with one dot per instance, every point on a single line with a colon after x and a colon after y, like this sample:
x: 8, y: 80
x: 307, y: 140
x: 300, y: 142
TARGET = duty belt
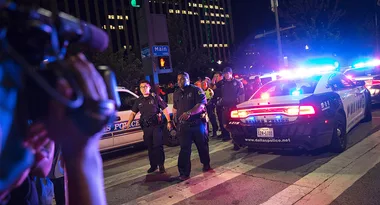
x: 150, y: 122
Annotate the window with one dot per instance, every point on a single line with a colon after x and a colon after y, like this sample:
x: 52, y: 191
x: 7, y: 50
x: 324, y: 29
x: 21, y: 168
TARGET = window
x: 202, y: 21
x: 171, y: 11
x: 183, y: 12
x: 227, y: 15
x: 177, y: 11
x: 205, y: 45
x: 190, y: 12
x: 200, y: 5
x: 127, y: 100
x: 121, y: 27
x: 210, y: 45
x: 340, y: 82
x: 287, y: 87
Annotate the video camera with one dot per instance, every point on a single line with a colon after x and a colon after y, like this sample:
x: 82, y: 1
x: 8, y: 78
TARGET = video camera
x: 33, y: 44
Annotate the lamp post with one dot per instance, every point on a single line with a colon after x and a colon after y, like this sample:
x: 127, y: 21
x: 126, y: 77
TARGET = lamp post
x: 274, y: 4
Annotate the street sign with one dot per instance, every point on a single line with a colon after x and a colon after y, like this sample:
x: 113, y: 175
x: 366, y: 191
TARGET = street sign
x: 145, y: 52
x: 160, y: 50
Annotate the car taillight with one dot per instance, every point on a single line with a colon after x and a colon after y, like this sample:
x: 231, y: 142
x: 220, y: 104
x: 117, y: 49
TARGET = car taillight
x: 283, y: 110
x: 375, y: 82
x: 307, y: 110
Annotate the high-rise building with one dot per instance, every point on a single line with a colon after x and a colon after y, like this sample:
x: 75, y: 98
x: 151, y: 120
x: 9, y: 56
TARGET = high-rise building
x: 209, y: 22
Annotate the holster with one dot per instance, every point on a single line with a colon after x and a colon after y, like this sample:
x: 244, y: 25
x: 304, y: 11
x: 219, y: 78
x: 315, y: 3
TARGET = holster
x: 154, y: 120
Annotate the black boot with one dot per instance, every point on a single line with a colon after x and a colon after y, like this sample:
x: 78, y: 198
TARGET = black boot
x: 162, y: 169
x: 152, y: 169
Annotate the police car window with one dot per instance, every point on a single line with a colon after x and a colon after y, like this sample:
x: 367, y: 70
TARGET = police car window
x: 127, y: 100
x: 288, y: 87
x: 340, y: 82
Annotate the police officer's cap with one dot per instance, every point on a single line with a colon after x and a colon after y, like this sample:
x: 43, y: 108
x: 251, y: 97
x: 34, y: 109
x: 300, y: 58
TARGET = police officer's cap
x: 227, y: 70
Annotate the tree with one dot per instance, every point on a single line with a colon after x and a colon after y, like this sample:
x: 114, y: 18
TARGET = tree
x: 315, y: 21
x: 184, y: 57
x: 128, y: 69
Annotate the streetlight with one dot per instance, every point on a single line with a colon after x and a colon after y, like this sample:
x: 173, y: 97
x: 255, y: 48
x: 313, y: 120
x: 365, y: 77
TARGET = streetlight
x: 219, y: 62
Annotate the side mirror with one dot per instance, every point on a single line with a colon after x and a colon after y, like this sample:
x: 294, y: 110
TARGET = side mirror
x: 360, y: 83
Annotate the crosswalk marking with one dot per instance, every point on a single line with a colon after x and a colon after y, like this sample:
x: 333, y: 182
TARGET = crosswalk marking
x: 141, y: 171
x: 200, y: 183
x: 334, y: 176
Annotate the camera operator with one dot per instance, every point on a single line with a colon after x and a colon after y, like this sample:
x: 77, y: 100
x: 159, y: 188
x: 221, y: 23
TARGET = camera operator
x: 79, y: 150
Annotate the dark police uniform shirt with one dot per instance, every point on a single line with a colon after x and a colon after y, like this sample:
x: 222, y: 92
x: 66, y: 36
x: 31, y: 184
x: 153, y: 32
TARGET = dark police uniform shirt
x: 230, y: 91
x: 185, y: 100
x: 149, y: 106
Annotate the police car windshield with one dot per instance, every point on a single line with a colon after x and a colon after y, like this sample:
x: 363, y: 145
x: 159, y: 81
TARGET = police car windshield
x: 288, y: 87
x: 363, y: 72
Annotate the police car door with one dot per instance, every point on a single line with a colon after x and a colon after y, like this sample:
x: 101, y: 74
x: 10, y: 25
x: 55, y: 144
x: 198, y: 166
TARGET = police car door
x: 345, y: 90
x: 116, y: 135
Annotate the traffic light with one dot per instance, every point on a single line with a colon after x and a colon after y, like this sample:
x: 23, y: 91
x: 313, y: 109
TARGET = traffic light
x: 164, y: 62
x: 136, y: 3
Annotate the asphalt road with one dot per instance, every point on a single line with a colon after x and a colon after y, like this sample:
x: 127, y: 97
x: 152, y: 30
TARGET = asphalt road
x: 245, y: 177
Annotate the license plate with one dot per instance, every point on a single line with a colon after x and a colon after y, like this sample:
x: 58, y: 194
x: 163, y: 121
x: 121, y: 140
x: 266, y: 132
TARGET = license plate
x: 265, y: 132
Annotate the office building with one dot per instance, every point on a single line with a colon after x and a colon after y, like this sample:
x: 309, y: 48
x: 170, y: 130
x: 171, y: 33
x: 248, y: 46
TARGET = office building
x: 209, y: 22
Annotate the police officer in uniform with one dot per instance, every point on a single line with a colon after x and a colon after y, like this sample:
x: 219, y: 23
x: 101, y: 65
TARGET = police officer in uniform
x: 189, y: 112
x: 217, y: 99
x: 150, y: 106
x: 232, y: 93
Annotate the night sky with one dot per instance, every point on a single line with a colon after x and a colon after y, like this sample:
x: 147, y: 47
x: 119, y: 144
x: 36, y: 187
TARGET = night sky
x: 251, y: 17
x: 255, y: 16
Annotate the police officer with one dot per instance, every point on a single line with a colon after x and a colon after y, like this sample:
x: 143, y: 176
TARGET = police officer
x: 150, y: 106
x: 188, y: 110
x: 232, y: 93
x: 217, y: 99
x: 210, y: 107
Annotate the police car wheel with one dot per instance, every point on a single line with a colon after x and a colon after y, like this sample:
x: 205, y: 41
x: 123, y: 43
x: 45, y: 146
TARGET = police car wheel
x: 339, y: 138
x: 367, y: 112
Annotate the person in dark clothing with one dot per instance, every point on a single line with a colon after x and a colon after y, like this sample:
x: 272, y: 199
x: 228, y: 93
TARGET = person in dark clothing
x: 217, y: 99
x: 150, y: 106
x: 232, y: 93
x: 210, y: 107
x: 189, y: 114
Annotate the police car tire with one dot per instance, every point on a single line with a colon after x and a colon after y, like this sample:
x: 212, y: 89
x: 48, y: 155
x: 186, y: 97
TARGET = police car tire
x: 368, y: 112
x: 337, y: 145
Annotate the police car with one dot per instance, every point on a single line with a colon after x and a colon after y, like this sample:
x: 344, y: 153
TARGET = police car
x: 116, y: 135
x: 371, y: 77
x: 302, y: 113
